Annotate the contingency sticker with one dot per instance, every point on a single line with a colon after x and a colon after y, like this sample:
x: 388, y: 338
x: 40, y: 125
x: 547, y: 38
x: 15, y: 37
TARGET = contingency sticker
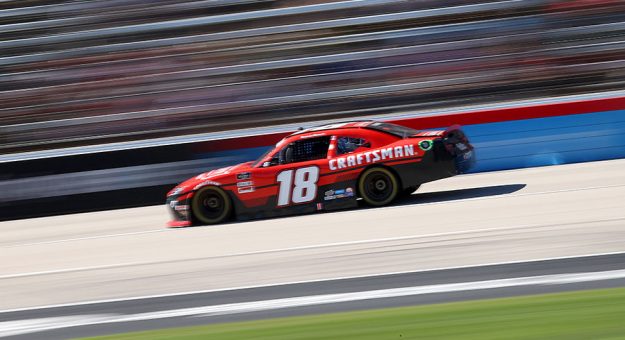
x: 338, y: 193
x: 244, y: 175
x: 245, y: 190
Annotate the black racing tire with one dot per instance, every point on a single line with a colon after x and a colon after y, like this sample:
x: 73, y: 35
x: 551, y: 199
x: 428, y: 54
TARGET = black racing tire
x: 409, y: 190
x: 378, y: 186
x: 211, y: 205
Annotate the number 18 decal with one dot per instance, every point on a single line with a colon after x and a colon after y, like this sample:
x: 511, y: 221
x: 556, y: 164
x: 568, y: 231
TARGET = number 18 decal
x: 300, y: 188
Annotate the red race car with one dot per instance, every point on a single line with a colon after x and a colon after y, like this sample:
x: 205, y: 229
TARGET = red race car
x: 323, y: 168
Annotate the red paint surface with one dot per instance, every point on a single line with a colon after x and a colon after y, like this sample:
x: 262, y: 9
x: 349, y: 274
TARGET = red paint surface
x: 178, y: 224
x: 264, y: 179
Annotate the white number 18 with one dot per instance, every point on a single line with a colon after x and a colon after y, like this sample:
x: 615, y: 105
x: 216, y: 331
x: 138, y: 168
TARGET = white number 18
x: 305, y: 188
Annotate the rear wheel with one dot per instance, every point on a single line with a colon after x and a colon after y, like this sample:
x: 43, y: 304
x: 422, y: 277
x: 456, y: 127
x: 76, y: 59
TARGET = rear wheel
x: 378, y: 186
x: 211, y: 205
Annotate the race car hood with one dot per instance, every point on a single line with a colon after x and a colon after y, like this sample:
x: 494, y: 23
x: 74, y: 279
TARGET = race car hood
x: 215, y: 177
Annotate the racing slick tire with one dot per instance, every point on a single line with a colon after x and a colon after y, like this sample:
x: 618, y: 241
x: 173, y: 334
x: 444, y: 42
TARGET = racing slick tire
x: 211, y: 205
x: 378, y: 186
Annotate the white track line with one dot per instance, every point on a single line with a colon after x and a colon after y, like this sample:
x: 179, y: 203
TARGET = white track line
x: 305, y: 281
x: 18, y: 327
x: 75, y: 269
x: 84, y: 238
x: 309, y: 247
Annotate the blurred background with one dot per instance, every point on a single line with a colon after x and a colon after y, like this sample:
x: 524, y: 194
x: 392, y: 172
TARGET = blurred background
x: 108, y: 104
x: 100, y: 71
x: 95, y: 73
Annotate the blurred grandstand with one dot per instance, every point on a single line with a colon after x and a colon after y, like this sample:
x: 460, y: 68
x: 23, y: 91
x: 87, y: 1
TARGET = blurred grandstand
x: 87, y: 72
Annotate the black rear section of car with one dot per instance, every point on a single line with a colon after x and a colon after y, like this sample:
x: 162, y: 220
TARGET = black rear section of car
x: 458, y: 146
x: 447, y: 155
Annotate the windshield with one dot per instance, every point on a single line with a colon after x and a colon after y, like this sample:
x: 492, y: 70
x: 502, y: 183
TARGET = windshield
x: 397, y: 130
x: 260, y: 159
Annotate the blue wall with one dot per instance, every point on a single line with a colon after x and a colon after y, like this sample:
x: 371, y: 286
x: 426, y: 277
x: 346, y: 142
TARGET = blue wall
x: 548, y: 141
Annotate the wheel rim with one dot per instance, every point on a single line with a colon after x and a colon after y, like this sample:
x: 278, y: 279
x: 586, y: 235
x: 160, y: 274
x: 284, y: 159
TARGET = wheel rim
x: 211, y: 205
x: 378, y: 186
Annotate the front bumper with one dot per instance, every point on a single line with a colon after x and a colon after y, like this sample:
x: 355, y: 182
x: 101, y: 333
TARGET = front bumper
x: 179, y: 210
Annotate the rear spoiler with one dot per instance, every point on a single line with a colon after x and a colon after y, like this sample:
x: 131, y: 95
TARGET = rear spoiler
x: 438, y: 133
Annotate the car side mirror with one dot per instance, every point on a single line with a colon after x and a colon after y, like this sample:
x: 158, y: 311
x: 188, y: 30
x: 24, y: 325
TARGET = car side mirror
x: 266, y: 164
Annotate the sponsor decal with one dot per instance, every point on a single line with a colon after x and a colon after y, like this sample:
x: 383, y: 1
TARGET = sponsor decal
x: 245, y: 184
x: 244, y: 175
x: 245, y: 190
x: 319, y: 206
x: 338, y: 193
x: 370, y: 157
x: 181, y: 207
x: 349, y: 192
x: 205, y: 183
x: 172, y: 204
x: 425, y: 145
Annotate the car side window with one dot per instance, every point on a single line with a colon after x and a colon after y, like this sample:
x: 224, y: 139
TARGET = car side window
x: 350, y: 144
x: 305, y: 150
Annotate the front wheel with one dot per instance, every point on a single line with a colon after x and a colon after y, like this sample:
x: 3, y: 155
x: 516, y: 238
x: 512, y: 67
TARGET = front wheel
x: 211, y: 205
x: 378, y: 186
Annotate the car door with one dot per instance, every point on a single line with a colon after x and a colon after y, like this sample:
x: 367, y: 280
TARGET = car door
x: 344, y: 168
x: 290, y: 179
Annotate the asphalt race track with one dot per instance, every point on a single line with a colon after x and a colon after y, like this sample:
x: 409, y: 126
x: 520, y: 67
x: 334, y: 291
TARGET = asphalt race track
x: 472, y: 220
x: 601, y: 271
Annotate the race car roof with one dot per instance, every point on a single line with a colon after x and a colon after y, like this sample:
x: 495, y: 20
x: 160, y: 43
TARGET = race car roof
x: 342, y: 125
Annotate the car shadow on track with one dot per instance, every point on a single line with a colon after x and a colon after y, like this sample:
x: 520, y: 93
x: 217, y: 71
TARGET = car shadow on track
x: 419, y: 198
x: 460, y: 194
x: 414, y: 199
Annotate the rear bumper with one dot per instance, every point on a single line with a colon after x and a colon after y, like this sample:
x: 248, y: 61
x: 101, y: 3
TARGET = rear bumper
x: 452, y: 156
x: 458, y: 145
x: 465, y: 160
